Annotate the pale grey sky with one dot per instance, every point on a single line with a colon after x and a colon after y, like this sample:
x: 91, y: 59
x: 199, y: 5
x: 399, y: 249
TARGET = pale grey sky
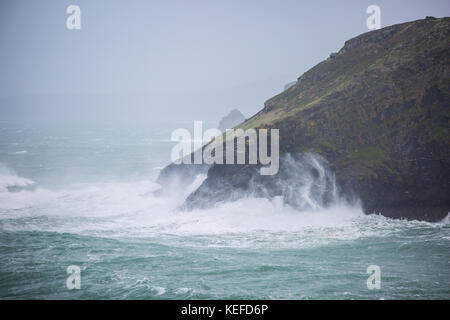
x: 162, y: 59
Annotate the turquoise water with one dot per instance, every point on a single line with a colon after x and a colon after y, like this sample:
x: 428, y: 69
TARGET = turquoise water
x: 82, y: 195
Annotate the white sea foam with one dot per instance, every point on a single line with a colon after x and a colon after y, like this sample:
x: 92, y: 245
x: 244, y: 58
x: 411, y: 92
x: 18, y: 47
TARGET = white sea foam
x: 446, y: 220
x: 9, y: 179
x: 130, y: 209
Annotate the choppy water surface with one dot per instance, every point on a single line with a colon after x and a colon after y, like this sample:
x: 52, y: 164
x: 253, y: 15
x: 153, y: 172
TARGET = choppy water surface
x: 83, y: 196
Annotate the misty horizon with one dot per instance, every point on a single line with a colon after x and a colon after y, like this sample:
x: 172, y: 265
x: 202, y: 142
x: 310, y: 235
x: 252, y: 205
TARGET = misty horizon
x: 170, y: 60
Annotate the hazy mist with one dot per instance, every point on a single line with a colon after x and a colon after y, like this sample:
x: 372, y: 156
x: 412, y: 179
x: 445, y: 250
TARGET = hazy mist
x: 170, y: 60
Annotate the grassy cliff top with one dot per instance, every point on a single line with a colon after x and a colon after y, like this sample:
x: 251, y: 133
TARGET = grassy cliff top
x: 378, y: 52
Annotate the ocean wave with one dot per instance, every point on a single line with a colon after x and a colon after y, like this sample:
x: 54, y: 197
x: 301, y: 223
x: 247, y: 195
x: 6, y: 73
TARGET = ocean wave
x: 130, y: 209
x: 9, y: 180
x: 446, y: 220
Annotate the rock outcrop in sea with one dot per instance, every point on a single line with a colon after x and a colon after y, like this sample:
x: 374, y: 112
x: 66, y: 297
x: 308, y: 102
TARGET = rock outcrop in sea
x: 231, y: 120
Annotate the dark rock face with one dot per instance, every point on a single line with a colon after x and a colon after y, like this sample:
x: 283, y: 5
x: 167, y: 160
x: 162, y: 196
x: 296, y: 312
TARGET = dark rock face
x: 379, y: 112
x: 234, y: 118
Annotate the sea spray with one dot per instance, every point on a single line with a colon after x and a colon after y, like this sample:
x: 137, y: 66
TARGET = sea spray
x: 9, y: 181
x: 304, y: 182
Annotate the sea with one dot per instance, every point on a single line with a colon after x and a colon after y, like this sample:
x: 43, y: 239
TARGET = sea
x: 81, y: 195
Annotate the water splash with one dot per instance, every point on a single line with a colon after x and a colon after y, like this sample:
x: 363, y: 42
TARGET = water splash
x: 9, y: 181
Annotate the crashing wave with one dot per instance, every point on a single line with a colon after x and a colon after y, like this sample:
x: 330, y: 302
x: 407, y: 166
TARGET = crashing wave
x: 304, y: 182
x: 9, y: 181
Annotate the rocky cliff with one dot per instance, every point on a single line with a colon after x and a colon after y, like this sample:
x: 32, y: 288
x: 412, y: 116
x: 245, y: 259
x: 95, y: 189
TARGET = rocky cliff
x: 378, y: 111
